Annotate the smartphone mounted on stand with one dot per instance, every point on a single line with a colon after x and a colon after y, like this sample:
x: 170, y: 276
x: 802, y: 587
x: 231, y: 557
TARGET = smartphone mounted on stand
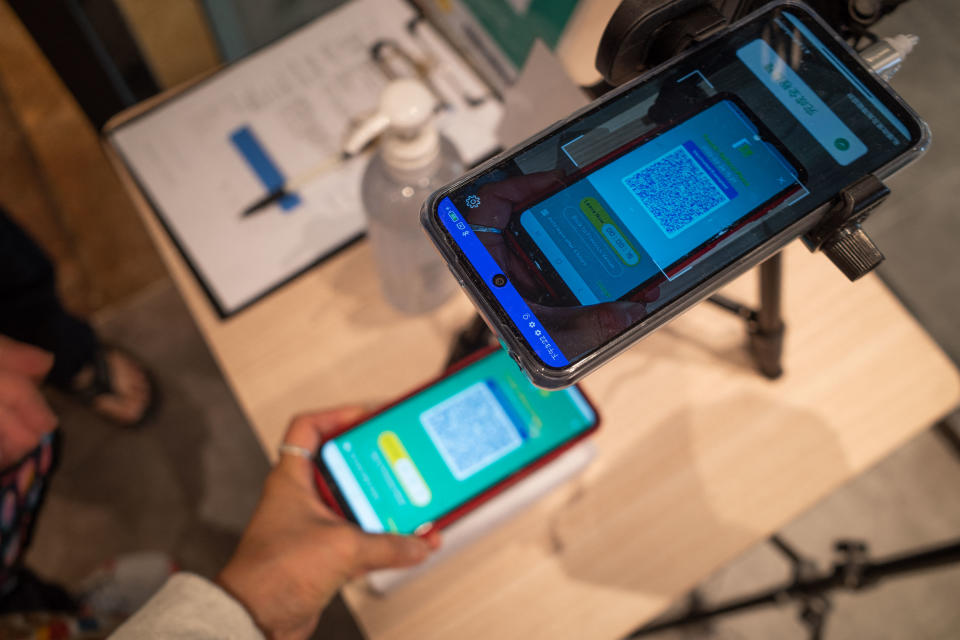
x: 586, y: 237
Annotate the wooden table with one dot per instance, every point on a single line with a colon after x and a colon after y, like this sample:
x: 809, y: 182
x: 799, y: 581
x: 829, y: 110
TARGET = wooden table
x: 698, y: 458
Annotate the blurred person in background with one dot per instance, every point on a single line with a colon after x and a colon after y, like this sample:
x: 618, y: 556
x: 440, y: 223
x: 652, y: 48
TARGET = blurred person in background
x: 42, y: 345
x: 108, y: 380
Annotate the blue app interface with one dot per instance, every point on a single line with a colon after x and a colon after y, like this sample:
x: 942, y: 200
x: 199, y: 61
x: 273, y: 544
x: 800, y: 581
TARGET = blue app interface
x: 644, y: 213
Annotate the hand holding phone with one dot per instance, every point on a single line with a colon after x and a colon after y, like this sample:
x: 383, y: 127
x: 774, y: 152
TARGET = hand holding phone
x: 296, y: 553
x: 431, y: 457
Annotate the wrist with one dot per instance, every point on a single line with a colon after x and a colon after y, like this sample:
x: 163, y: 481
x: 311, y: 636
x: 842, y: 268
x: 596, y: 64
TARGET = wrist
x: 234, y: 586
x: 266, y: 602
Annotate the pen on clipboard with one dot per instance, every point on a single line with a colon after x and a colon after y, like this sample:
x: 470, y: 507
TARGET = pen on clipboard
x: 290, y: 187
x: 362, y: 135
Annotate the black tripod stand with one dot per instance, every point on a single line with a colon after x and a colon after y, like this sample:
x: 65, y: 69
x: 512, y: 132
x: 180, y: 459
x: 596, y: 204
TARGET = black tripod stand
x: 853, y: 570
x: 765, y: 327
x: 636, y: 32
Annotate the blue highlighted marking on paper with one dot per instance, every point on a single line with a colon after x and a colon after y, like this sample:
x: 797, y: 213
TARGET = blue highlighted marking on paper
x: 256, y: 156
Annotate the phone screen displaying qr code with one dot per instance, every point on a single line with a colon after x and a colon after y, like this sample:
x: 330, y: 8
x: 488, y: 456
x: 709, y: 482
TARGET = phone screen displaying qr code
x: 658, y: 206
x: 676, y: 190
x: 472, y: 429
x: 447, y: 444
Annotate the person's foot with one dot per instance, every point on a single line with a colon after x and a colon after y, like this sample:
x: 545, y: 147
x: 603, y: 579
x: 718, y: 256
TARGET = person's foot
x: 116, y: 386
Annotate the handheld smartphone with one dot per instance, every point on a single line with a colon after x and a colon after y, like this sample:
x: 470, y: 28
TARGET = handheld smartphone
x: 591, y: 234
x: 441, y: 451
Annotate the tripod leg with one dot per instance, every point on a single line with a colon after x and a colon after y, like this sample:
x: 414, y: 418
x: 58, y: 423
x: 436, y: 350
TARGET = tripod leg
x: 766, y: 329
x: 783, y: 547
x: 474, y: 337
x: 802, y: 568
x: 949, y: 435
x: 814, y: 615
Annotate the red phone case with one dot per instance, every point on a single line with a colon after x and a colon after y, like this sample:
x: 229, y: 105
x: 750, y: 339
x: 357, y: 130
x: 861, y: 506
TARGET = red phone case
x: 452, y: 516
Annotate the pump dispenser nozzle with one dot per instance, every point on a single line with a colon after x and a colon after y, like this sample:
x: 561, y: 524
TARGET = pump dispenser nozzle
x: 405, y: 119
x: 887, y: 54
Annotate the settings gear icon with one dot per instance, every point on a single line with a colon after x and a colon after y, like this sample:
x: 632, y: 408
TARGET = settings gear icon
x: 472, y: 201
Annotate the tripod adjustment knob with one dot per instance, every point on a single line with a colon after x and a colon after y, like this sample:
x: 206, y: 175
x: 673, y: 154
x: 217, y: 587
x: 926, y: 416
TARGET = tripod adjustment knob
x: 852, y: 251
x: 839, y: 234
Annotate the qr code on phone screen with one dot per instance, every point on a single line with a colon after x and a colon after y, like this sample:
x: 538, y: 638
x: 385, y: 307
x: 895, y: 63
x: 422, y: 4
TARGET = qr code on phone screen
x: 675, y: 190
x: 471, y: 430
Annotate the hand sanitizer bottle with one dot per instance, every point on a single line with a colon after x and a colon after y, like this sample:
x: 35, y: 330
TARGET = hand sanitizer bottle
x: 411, y: 161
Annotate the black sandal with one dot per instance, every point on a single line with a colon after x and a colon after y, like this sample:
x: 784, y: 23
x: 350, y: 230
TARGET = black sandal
x: 102, y: 384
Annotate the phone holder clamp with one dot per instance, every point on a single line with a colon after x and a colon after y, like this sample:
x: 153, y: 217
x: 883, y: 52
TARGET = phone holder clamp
x: 839, y: 235
x: 644, y: 33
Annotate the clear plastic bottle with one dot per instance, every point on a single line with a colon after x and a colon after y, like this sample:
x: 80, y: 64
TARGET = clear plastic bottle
x: 412, y: 161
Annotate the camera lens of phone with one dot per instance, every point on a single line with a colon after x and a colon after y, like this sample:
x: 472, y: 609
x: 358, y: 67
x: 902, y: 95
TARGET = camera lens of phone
x: 499, y: 280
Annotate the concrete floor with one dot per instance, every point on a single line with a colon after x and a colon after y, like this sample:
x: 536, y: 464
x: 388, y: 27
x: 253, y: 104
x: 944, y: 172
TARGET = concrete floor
x: 919, y: 228
x: 187, y: 482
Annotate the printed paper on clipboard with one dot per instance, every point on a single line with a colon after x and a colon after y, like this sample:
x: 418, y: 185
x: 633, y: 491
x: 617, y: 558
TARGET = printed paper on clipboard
x: 206, y: 155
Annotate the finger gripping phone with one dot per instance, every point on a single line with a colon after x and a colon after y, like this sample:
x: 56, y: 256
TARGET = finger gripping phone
x: 438, y: 453
x: 598, y: 230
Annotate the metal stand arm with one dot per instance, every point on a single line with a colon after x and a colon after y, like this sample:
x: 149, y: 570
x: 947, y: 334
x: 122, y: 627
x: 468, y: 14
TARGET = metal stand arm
x: 765, y: 327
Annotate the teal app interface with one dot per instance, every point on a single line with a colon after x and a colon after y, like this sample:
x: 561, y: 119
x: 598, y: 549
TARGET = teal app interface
x: 645, y: 212
x: 449, y: 443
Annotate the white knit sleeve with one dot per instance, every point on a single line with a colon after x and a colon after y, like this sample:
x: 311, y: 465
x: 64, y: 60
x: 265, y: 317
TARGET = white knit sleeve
x: 191, y: 608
